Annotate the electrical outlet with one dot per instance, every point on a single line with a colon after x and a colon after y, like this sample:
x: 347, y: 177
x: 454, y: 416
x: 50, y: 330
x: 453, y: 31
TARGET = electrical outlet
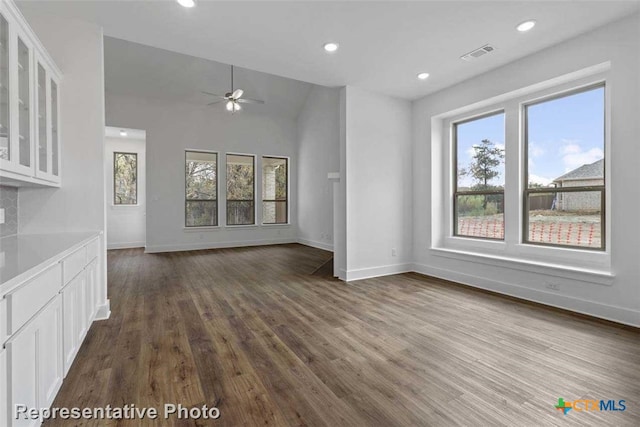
x: 553, y: 286
x: 394, y: 252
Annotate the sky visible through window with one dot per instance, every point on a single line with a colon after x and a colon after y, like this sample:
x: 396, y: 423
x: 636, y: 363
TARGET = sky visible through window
x: 471, y: 134
x: 564, y: 134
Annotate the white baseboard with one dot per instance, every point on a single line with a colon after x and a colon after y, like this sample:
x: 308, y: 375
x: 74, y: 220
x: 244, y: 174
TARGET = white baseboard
x: 125, y: 245
x: 104, y: 311
x: 385, y: 270
x: 315, y: 244
x: 591, y: 308
x: 151, y: 249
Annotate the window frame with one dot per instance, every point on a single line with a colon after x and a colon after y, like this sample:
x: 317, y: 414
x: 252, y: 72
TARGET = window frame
x: 216, y: 200
x: 255, y: 189
x: 524, y: 117
x: 586, y: 264
x: 454, y: 138
x: 288, y: 164
x: 113, y: 164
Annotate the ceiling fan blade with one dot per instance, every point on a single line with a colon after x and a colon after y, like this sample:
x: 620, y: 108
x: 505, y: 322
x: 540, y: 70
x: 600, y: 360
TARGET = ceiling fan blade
x: 216, y: 102
x: 250, y: 101
x: 213, y: 94
x: 237, y: 93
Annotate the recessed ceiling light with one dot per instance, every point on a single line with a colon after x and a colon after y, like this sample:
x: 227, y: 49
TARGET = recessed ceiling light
x: 331, y: 47
x: 423, y: 76
x: 526, y: 26
x: 187, y: 3
x: 123, y: 133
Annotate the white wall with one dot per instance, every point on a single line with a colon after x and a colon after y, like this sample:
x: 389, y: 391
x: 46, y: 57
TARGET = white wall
x: 618, y: 43
x: 76, y: 47
x: 78, y: 205
x: 126, y: 225
x: 171, y: 128
x: 377, y: 172
x: 318, y: 155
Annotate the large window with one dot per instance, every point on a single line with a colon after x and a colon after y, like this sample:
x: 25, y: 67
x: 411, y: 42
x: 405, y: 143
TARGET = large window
x: 564, y: 199
x: 479, y: 177
x: 240, y: 189
x: 275, y: 187
x: 125, y: 178
x: 201, y: 189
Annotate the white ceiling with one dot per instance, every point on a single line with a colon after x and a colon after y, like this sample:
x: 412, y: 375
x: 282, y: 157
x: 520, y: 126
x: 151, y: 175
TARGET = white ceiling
x: 382, y: 44
x: 135, y: 69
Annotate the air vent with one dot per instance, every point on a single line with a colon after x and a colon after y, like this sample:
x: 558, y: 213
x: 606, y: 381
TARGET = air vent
x: 474, y: 54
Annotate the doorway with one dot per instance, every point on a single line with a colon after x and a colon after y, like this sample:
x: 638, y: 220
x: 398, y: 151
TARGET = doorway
x: 125, y: 167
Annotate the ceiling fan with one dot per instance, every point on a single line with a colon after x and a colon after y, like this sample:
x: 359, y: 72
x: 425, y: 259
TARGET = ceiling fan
x: 233, y: 98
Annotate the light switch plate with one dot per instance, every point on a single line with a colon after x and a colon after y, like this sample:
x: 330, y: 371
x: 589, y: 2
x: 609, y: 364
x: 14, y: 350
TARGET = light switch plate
x: 2, y: 216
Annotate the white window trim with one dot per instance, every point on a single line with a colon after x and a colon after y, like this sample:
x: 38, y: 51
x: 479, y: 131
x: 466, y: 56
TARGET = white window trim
x: 282, y: 224
x: 512, y: 251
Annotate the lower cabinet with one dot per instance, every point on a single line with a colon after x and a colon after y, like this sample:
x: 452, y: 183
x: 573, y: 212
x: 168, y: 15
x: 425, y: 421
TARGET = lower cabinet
x: 34, y: 360
x: 73, y: 309
x: 4, y: 414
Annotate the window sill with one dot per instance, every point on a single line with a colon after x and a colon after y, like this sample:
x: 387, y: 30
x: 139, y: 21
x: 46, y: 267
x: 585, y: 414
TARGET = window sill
x: 199, y: 229
x: 598, y: 276
x: 242, y: 226
x: 283, y: 225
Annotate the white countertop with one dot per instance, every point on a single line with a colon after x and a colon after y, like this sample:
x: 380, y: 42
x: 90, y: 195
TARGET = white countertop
x: 23, y: 255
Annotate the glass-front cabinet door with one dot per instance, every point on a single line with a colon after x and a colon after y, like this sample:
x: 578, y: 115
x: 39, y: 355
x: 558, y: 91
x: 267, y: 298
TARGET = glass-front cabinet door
x: 24, y: 111
x: 30, y: 140
x: 6, y: 154
x: 55, y: 131
x: 43, y: 145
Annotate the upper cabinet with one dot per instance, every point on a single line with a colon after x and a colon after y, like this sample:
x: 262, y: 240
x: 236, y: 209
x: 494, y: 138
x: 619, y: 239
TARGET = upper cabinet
x: 29, y: 105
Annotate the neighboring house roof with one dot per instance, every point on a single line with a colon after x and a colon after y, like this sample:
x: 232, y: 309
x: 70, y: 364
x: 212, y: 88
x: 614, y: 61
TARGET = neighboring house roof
x: 593, y: 170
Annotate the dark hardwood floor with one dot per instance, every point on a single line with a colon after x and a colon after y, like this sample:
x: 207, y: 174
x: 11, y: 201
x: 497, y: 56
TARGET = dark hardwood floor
x: 254, y: 332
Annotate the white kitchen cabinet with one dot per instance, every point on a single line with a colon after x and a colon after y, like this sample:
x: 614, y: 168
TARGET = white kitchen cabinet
x: 34, y: 361
x: 73, y: 322
x: 29, y: 105
x: 92, y: 291
x: 4, y: 415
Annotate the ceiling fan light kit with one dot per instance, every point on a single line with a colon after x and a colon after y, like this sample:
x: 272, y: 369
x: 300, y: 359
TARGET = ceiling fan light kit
x: 233, y: 98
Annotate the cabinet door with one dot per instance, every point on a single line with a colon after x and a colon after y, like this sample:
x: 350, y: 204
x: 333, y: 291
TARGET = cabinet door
x: 50, y: 364
x: 23, y: 368
x: 6, y: 153
x: 22, y: 120
x: 71, y: 319
x: 4, y: 416
x: 92, y: 291
x: 55, y: 130
x: 43, y: 152
x: 35, y: 361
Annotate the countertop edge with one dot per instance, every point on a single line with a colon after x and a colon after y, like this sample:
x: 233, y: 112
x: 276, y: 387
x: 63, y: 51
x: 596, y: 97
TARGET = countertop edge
x: 32, y: 272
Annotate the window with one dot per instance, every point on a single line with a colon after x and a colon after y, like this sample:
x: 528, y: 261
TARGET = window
x: 125, y: 178
x: 275, y: 183
x: 201, y: 189
x: 565, y: 192
x: 479, y: 177
x: 240, y: 189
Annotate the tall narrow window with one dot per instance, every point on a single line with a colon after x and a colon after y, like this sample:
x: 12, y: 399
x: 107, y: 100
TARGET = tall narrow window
x: 125, y: 179
x: 275, y: 187
x: 201, y: 189
x: 240, y: 189
x: 565, y: 196
x: 478, y: 202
